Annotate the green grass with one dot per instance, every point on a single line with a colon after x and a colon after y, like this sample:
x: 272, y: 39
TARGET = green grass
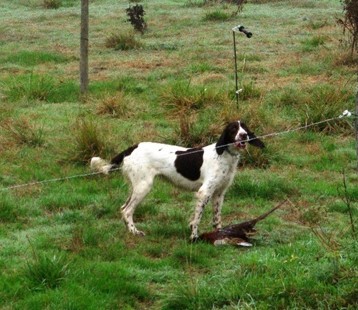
x: 33, y: 58
x: 8, y: 211
x: 45, y: 272
x: 311, y: 44
x: 36, y: 87
x: 63, y: 244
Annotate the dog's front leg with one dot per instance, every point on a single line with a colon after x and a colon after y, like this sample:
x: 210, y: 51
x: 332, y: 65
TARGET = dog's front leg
x: 217, y: 202
x: 203, y: 199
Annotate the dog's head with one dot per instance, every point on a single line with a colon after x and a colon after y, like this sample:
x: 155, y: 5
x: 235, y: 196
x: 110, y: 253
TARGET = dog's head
x: 235, y: 136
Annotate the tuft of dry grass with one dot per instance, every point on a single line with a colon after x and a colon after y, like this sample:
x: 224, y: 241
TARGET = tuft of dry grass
x: 52, y: 4
x: 249, y: 90
x: 147, y: 132
x: 183, y: 96
x: 88, y: 141
x: 184, y: 102
x: 346, y: 59
x: 116, y: 106
x: 22, y: 132
x: 123, y: 41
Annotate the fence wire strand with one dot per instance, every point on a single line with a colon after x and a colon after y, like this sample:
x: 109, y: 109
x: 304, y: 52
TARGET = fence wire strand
x: 345, y: 114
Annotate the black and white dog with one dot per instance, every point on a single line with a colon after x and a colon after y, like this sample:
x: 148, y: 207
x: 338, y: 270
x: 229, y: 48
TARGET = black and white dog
x: 209, y: 171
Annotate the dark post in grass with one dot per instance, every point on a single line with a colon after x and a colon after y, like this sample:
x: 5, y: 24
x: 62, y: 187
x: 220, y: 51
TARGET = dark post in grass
x: 248, y: 35
x: 84, y: 48
x: 356, y: 122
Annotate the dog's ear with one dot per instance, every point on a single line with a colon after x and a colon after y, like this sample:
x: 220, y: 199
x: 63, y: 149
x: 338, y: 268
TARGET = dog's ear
x: 227, y: 137
x: 253, y: 140
x: 221, y: 144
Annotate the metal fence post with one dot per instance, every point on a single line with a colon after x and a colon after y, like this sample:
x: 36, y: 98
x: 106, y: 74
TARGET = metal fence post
x: 248, y: 34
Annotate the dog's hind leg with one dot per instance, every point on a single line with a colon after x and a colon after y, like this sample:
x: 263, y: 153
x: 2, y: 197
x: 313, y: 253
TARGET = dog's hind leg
x: 140, y: 190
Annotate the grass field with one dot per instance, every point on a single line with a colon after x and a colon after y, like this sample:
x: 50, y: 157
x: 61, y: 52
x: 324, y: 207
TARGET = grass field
x: 63, y: 244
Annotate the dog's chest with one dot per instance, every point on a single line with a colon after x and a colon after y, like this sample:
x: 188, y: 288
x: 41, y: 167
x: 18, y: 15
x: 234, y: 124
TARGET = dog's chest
x: 224, y: 171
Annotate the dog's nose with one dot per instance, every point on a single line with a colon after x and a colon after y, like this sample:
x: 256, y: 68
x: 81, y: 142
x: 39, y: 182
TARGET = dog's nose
x: 243, y: 136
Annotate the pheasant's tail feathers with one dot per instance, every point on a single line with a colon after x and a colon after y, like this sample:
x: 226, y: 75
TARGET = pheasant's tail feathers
x: 233, y: 241
x: 100, y: 165
x: 263, y: 216
x: 244, y: 244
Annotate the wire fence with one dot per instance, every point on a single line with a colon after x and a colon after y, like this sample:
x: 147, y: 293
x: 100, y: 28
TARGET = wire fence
x: 345, y: 114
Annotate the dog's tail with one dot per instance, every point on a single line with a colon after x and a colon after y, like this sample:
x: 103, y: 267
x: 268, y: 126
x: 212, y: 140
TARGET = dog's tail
x: 100, y: 165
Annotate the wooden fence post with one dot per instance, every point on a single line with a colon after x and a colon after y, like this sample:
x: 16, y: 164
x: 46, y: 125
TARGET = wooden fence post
x: 356, y: 125
x: 84, y: 48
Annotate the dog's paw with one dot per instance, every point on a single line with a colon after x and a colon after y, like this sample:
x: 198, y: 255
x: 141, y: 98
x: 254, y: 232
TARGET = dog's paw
x: 194, y: 238
x: 217, y: 226
x: 140, y: 233
x: 137, y: 232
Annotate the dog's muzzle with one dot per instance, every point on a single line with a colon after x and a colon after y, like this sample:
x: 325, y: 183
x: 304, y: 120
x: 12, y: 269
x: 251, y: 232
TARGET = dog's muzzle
x: 241, y: 142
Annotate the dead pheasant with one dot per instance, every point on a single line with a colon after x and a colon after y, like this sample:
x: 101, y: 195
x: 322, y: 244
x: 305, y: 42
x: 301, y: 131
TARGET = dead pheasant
x: 237, y: 234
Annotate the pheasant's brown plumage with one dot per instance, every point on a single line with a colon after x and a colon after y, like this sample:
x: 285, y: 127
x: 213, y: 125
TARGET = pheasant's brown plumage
x: 238, y: 234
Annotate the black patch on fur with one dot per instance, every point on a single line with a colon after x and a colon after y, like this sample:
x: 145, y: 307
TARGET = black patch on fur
x: 252, y: 138
x: 189, y: 162
x: 227, y: 137
x: 119, y: 158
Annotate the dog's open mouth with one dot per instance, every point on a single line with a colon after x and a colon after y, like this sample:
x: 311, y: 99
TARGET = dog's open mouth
x: 240, y: 144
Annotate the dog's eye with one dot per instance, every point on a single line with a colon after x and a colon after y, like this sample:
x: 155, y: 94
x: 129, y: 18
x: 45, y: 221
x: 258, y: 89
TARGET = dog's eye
x: 234, y: 127
x: 234, y: 130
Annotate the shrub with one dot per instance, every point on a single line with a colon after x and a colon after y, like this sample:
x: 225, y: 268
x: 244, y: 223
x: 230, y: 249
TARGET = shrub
x: 135, y: 14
